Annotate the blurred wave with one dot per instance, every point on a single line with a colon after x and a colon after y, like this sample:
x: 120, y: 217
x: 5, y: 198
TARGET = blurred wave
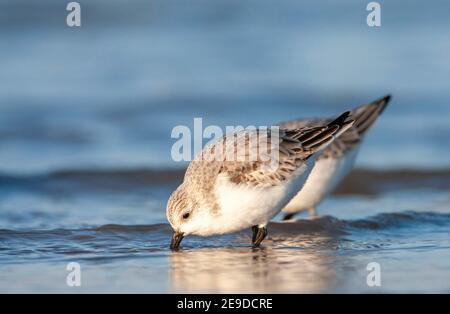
x: 109, y: 93
x: 78, y: 181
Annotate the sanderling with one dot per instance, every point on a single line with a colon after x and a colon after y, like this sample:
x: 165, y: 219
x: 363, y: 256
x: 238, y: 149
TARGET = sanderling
x: 226, y: 195
x: 334, y: 162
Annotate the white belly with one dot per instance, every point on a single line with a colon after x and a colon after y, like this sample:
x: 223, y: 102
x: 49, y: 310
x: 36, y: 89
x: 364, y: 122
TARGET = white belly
x: 243, y: 206
x: 323, y: 179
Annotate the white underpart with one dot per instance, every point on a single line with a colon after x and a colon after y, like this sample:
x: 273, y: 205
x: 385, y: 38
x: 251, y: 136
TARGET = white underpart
x: 243, y: 206
x: 323, y: 179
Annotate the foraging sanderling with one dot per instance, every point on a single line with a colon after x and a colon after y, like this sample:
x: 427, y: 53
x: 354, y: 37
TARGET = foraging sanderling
x: 224, y: 193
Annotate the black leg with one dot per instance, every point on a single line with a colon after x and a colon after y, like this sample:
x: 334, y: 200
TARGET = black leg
x: 260, y: 236
x: 255, y: 233
x: 288, y: 216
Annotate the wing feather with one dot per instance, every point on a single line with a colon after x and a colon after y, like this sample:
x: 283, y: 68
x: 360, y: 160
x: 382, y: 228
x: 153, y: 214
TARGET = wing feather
x: 364, y: 117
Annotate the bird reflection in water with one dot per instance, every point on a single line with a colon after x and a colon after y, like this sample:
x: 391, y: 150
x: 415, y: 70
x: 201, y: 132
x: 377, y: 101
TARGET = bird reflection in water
x: 280, y: 266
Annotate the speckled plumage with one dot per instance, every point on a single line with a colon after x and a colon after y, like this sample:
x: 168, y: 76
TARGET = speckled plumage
x: 230, y: 166
x: 334, y: 162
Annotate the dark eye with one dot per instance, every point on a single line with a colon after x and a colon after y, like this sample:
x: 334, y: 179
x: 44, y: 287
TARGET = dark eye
x: 186, y: 215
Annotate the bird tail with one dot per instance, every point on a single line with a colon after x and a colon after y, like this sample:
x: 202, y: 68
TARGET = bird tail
x: 366, y: 115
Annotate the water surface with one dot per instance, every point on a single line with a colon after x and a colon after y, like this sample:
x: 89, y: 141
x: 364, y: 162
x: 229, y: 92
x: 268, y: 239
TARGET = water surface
x: 47, y: 222
x: 86, y: 117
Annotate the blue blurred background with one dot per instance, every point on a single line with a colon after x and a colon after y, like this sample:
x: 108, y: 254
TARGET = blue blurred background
x: 107, y: 94
x: 86, y: 116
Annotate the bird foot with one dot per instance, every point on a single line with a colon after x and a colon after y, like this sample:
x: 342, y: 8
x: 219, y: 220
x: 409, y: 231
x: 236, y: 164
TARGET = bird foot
x: 259, y: 234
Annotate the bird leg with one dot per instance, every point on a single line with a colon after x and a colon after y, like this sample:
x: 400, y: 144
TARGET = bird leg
x: 288, y: 216
x: 312, y: 212
x: 259, y: 233
x: 255, y: 233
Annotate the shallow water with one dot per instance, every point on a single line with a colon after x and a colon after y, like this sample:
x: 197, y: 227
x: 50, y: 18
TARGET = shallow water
x: 405, y: 229
x: 85, y: 122
x: 325, y: 255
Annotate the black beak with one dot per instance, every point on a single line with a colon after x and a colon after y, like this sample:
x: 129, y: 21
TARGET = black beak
x: 176, y: 240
